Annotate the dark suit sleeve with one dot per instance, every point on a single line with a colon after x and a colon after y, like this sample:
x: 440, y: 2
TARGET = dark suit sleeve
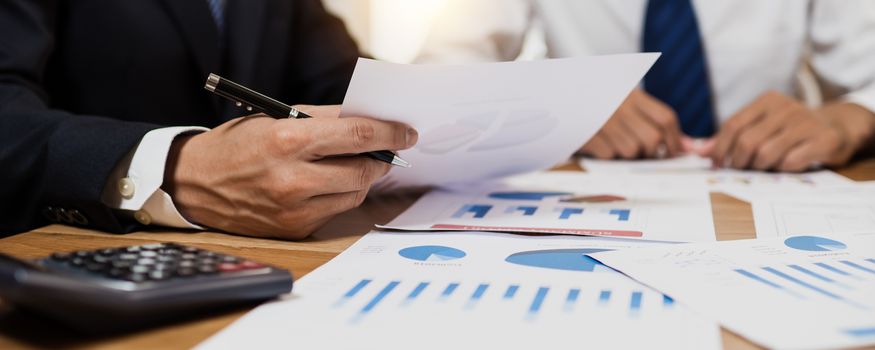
x: 51, y: 161
x: 326, y: 54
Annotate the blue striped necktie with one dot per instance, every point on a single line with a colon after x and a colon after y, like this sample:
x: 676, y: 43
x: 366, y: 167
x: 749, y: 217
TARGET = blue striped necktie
x: 680, y: 76
x: 217, y: 8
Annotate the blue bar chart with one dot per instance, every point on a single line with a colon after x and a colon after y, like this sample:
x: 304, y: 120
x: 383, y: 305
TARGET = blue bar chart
x: 530, y: 300
x: 831, y: 280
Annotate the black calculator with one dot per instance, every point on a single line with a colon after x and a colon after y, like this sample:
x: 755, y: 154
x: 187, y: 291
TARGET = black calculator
x: 117, y: 289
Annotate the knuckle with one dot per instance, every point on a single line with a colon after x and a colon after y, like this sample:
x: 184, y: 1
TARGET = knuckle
x: 285, y: 139
x: 362, y: 133
x: 651, y: 139
x: 666, y: 120
x: 360, y: 197
x: 629, y: 151
x: 363, y: 179
x: 746, y: 143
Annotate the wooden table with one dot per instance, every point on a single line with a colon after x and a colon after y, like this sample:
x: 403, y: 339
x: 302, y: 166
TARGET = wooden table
x: 732, y: 220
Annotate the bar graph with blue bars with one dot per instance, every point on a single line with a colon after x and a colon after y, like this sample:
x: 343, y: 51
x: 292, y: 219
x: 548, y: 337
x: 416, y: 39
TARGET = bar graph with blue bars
x: 816, y: 280
x: 379, y: 297
x: 573, y: 294
x: 479, y: 211
x: 511, y: 291
x: 369, y: 295
x: 417, y: 291
x: 566, y: 213
x: 764, y: 281
x: 604, y: 297
x: 478, y: 294
x: 539, y: 300
x: 858, y: 266
x: 448, y: 291
x: 622, y: 214
x: 635, y: 302
x: 526, y: 210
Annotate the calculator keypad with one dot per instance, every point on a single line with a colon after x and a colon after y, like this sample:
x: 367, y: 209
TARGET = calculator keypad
x: 153, y: 262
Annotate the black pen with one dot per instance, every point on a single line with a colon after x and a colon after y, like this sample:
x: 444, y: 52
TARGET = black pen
x: 254, y: 101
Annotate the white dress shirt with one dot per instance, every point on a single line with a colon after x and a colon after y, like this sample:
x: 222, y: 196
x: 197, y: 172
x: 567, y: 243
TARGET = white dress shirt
x: 751, y: 46
x: 135, y: 184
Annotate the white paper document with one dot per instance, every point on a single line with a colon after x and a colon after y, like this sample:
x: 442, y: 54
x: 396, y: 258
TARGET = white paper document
x: 798, y: 292
x: 838, y: 210
x: 659, y: 208
x: 742, y: 184
x: 486, y: 120
x: 470, y: 291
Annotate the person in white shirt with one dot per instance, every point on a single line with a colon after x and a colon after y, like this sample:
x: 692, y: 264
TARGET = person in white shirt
x: 728, y: 73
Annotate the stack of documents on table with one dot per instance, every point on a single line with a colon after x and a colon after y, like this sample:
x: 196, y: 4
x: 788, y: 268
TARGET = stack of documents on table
x: 659, y: 207
x: 471, y: 291
x: 742, y: 184
x: 799, y: 292
x: 848, y: 209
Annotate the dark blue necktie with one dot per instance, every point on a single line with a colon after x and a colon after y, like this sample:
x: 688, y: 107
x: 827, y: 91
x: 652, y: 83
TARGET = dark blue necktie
x: 217, y: 8
x: 680, y: 76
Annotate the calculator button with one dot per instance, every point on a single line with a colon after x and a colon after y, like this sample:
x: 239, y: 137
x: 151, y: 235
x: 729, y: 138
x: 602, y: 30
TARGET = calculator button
x: 229, y: 259
x: 82, y: 254
x: 136, y: 277
x: 116, y: 272
x: 128, y: 256
x: 186, y: 271
x: 108, y: 251
x: 122, y: 264
x: 148, y: 254
x: 100, y: 259
x: 95, y: 267
x: 207, y: 261
x: 135, y: 249
x: 206, y: 269
x: 139, y: 269
x: 153, y: 246
x: 189, y: 256
x: 159, y: 275
x: 164, y: 266
x: 146, y: 261
x: 77, y: 261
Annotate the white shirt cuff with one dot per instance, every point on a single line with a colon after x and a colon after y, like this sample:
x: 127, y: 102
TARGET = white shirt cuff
x: 135, y: 184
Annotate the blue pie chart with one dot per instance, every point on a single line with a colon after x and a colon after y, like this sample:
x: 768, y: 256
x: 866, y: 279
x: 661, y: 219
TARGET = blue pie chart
x: 814, y: 244
x: 432, y: 253
x: 559, y: 259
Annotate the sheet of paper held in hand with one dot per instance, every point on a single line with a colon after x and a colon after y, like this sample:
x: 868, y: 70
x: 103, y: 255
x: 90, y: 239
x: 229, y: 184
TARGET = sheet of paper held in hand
x: 797, y: 292
x: 657, y: 207
x: 741, y: 184
x: 486, y: 120
x: 470, y: 290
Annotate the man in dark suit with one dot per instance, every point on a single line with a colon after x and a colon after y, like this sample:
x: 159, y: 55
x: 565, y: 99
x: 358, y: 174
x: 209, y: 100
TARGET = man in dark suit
x: 90, y: 88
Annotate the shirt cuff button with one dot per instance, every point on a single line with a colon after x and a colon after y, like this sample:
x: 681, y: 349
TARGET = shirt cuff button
x: 143, y: 217
x: 126, y: 187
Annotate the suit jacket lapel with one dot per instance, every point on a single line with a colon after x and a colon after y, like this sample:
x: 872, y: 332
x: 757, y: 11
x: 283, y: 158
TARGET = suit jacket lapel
x: 246, y: 24
x: 195, y: 23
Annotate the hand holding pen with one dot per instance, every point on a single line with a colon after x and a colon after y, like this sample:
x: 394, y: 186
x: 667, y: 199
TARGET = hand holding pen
x: 279, y: 178
x: 254, y: 101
